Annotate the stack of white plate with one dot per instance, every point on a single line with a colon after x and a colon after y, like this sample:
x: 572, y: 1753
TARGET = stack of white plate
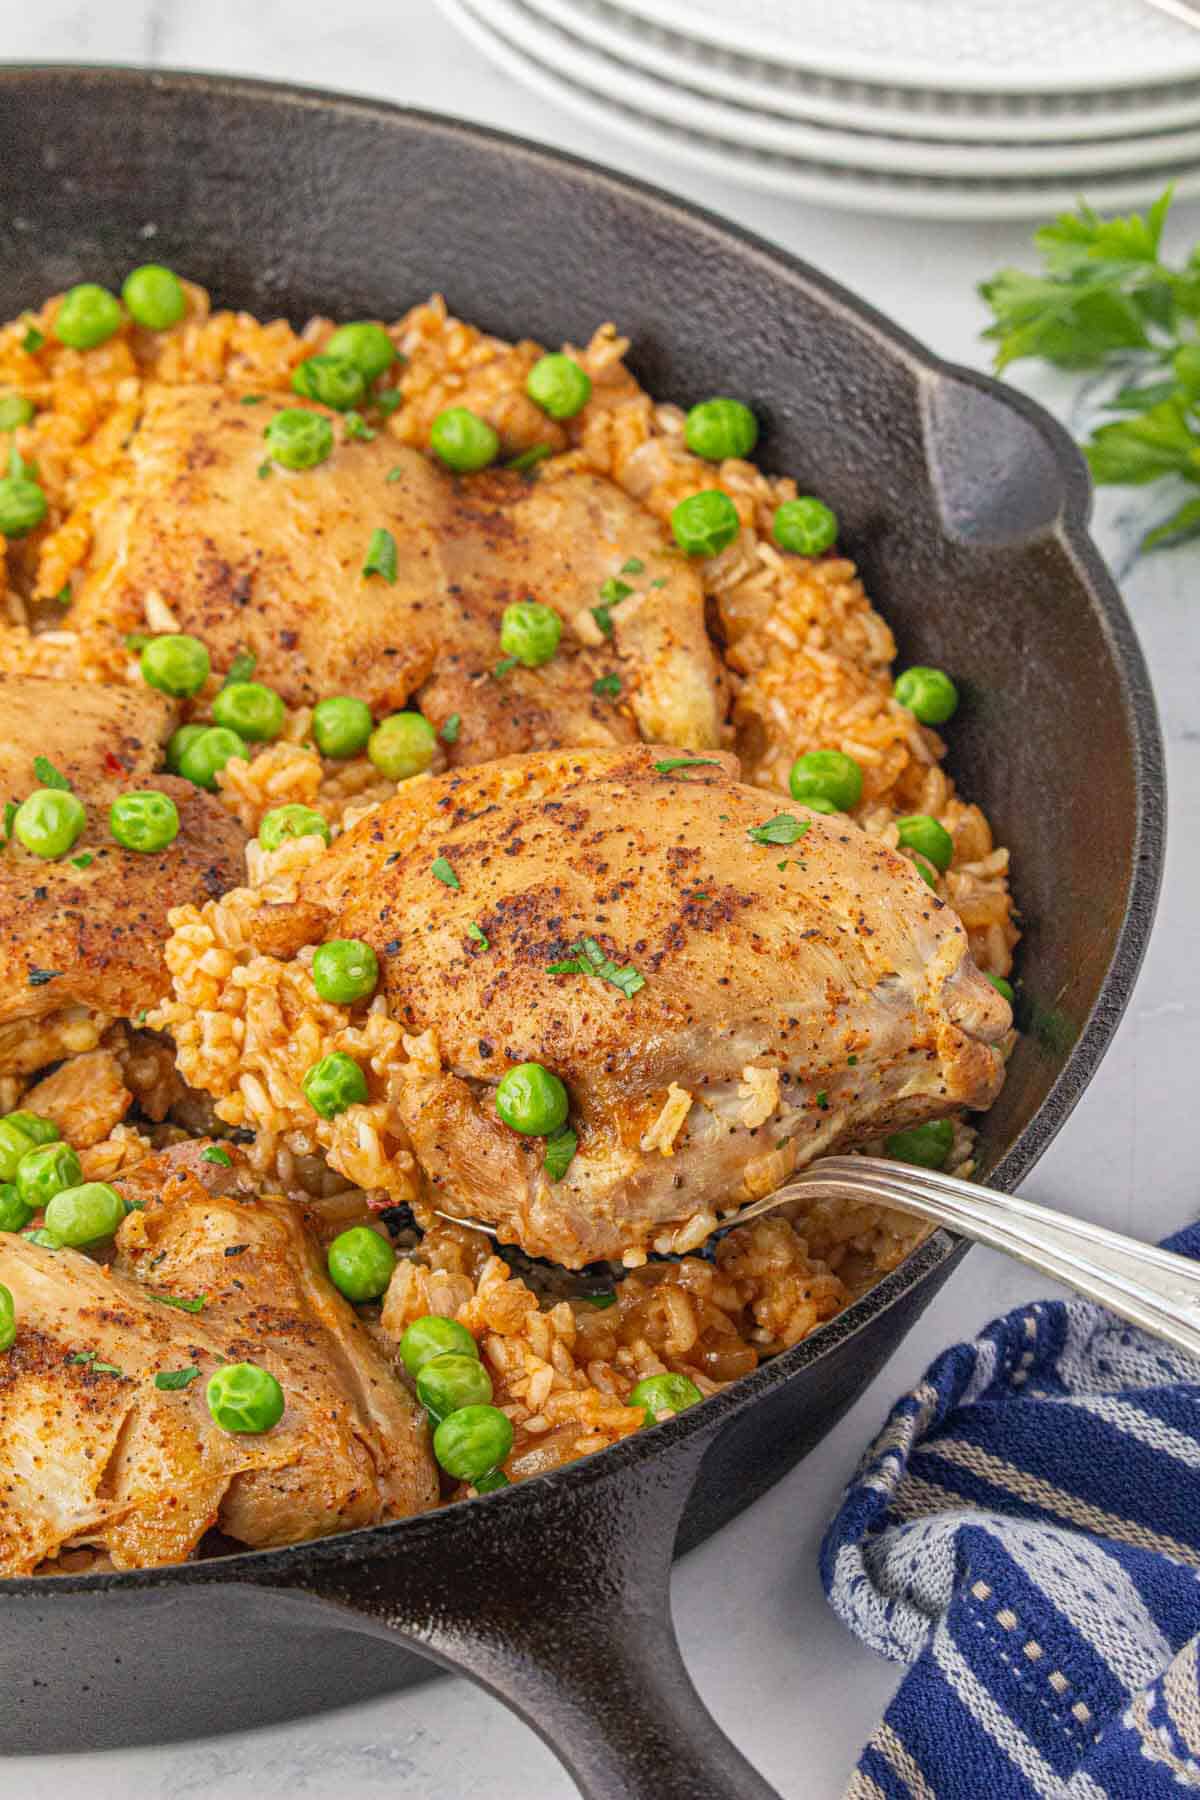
x: 937, y: 108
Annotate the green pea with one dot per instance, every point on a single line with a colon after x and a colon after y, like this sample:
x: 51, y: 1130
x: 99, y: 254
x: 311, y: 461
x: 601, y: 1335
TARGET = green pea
x: 22, y: 505
x: 175, y: 664
x: 202, y: 759
x: 448, y: 1383
x: 719, y: 428
x: 930, y: 839
x: 705, y: 523
x: 35, y: 1128
x: 291, y: 821
x: 336, y: 384
x: 49, y: 822
x: 662, y: 1396
x: 463, y: 441
x: 1003, y: 988
x: 344, y: 970
x: 925, y: 870
x: 8, y: 1318
x: 146, y: 821
x: 807, y: 526
x: 333, y: 1084
x: 244, y: 1398
x: 299, y: 440
x: 255, y: 712
x: 84, y: 1215
x: 364, y: 344
x: 530, y: 632
x: 929, y: 693
x: 178, y: 742
x: 473, y: 1441
x: 14, y: 1144
x: 402, y: 745
x: 341, y: 726
x: 532, y: 1100
x: 360, y: 1263
x: 89, y: 315
x: 432, y: 1336
x: 927, y: 1145
x: 154, y: 297
x: 558, y: 385
x: 829, y: 774
x: 46, y: 1171
x: 15, y: 410
x: 14, y: 1213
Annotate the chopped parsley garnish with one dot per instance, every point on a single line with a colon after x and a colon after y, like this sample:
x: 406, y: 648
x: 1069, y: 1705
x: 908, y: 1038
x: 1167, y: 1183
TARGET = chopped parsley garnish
x: 396, y: 474
x: 387, y: 402
x: 660, y: 583
x: 192, y: 1306
x: 136, y: 641
x: 478, y: 936
x: 83, y: 862
x: 89, y: 1357
x: 698, y: 894
x: 633, y: 566
x: 560, y: 1151
x: 823, y: 1100
x: 603, y: 619
x: 63, y: 596
x: 529, y: 459
x: 171, y: 1380
x: 45, y: 1238
x: 784, y: 828
x: 503, y: 666
x: 40, y: 977
x: 33, y: 340
x: 215, y: 1154
x: 357, y: 427
x: 252, y: 399
x: 607, y: 686
x: 851, y: 1062
x: 671, y: 763
x: 612, y: 591
x: 10, y: 813
x: 781, y: 866
x: 588, y: 958
x: 18, y: 468
x: 600, y: 1301
x: 48, y: 775
x: 442, y: 871
x: 450, y: 730
x: 381, y: 556
x: 264, y: 469
x: 242, y: 667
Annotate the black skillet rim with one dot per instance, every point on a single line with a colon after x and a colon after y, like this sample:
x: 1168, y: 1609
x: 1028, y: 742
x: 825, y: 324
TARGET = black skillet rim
x: 259, y: 1566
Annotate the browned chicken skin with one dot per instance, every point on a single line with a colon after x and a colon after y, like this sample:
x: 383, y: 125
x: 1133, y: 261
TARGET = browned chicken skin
x: 273, y: 564
x: 93, y: 936
x: 89, y: 1456
x: 797, y: 999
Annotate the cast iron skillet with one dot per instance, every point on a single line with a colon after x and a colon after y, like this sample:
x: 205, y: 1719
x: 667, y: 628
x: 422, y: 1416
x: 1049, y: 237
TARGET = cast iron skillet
x: 965, y: 507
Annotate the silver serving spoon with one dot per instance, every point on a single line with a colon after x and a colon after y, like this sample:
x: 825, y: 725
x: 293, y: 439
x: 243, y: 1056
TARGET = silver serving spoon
x: 1151, y: 1288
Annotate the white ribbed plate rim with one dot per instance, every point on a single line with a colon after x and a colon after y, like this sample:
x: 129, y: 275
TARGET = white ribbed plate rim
x: 866, y: 106
x: 1179, y: 61
x: 679, y: 106
x: 825, y: 185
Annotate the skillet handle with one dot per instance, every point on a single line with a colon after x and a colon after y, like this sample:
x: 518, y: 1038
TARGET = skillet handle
x: 557, y: 1601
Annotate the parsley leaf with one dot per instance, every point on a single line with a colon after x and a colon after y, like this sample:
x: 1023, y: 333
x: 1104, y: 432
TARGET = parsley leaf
x: 241, y: 668
x: 191, y: 1306
x: 607, y: 686
x: 251, y: 399
x: 171, y: 1380
x: 381, y: 556
x: 529, y: 459
x: 215, y: 1154
x: 83, y: 862
x: 669, y: 765
x: 48, y: 775
x: 478, y: 936
x: 612, y: 591
x: 560, y: 1152
x: 396, y: 474
x: 441, y: 871
x: 633, y: 565
x: 782, y: 829
x: 41, y: 977
x: 386, y: 402
x: 1180, y: 528
x: 1160, y: 441
x: 503, y: 666
x: 588, y: 958
x: 10, y: 813
x: 450, y: 730
x: 357, y: 427
x: 264, y: 469
x: 33, y: 340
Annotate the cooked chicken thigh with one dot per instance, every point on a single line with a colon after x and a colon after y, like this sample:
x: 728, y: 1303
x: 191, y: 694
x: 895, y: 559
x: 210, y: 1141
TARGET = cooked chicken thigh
x: 94, y: 1452
x: 274, y: 564
x: 799, y: 996
x: 92, y: 937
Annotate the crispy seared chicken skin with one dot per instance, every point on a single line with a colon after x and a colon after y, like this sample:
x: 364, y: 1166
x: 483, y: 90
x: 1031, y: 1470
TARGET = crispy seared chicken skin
x: 92, y: 937
x: 94, y: 1453
x: 798, y: 999
x: 274, y: 564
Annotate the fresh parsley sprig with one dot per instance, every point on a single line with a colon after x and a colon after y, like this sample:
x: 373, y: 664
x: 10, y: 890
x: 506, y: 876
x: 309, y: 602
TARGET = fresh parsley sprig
x: 1106, y: 299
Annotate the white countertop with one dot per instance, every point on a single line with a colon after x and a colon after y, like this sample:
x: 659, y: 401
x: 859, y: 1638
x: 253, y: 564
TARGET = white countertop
x: 778, y: 1670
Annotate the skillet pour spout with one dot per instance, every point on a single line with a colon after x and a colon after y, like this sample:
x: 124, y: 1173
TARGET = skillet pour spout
x: 963, y: 506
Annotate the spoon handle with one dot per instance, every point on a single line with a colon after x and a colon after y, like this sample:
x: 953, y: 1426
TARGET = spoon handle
x: 1151, y: 1288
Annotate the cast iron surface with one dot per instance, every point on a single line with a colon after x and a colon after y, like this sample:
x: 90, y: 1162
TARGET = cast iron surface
x: 965, y: 507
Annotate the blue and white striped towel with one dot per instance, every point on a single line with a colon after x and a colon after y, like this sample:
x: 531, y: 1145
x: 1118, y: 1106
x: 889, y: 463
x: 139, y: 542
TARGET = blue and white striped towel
x: 1025, y: 1533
